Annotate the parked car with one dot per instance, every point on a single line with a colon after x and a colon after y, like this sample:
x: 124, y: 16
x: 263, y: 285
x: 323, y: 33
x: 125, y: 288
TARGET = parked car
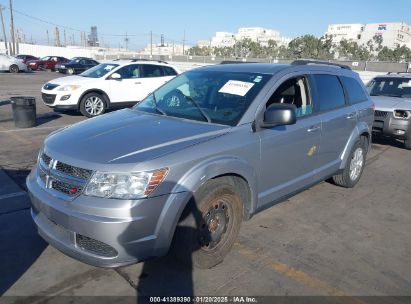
x: 46, y: 63
x: 11, y: 64
x: 114, y: 84
x: 185, y: 166
x: 76, y: 65
x: 26, y: 58
x: 392, y: 97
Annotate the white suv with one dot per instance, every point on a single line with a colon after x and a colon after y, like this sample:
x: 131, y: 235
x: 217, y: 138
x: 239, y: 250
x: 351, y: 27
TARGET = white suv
x: 118, y: 83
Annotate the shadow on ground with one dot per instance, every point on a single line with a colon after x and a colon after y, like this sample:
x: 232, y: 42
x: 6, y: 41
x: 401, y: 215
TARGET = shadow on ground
x: 388, y: 141
x: 20, y: 243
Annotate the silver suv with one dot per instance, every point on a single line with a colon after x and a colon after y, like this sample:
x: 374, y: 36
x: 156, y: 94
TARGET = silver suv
x: 392, y: 96
x: 207, y: 150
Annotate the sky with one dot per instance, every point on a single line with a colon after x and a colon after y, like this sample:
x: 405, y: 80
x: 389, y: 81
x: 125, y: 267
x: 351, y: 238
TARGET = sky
x: 199, y: 20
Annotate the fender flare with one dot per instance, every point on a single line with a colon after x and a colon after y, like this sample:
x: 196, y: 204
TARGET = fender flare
x: 360, y: 129
x: 104, y: 94
x: 191, y: 182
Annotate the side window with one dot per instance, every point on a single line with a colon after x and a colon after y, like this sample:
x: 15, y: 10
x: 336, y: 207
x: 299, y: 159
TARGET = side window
x: 330, y: 92
x: 168, y: 71
x: 129, y: 71
x: 294, y: 91
x: 83, y: 62
x: 354, y: 90
x: 150, y: 70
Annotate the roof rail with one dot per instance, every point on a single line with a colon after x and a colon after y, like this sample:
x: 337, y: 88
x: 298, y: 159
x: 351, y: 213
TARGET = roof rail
x: 307, y: 62
x: 159, y: 61
x: 235, y: 62
x: 398, y: 73
x: 142, y: 59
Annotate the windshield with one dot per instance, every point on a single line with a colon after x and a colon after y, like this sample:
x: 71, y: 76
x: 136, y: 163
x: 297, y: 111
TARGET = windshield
x: 45, y: 58
x: 99, y: 70
x: 210, y: 96
x: 389, y: 86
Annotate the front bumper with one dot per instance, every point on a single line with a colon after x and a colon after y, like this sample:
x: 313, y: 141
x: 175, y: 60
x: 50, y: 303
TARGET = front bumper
x: 116, y: 232
x: 386, y: 124
x: 53, y: 99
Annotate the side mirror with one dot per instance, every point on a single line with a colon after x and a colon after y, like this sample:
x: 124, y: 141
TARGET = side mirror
x: 115, y: 76
x: 279, y: 114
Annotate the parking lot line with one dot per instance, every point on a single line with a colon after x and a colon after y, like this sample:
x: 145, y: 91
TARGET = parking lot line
x: 3, y: 130
x: 298, y: 275
x: 15, y: 136
x: 9, y: 195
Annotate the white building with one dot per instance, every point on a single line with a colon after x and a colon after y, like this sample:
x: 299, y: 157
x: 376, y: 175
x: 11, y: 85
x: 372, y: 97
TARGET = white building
x: 167, y: 49
x: 393, y: 34
x: 349, y: 32
x: 223, y: 39
x: 256, y: 34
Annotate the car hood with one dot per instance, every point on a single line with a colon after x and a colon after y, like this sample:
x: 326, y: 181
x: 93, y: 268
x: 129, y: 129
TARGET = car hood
x: 72, y: 80
x: 126, y: 137
x: 385, y: 103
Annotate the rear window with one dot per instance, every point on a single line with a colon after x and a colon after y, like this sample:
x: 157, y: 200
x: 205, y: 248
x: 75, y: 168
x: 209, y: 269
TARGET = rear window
x: 168, y: 71
x: 330, y: 92
x: 355, y: 92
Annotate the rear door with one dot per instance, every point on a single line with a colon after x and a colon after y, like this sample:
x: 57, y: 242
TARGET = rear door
x: 152, y: 77
x: 338, y: 119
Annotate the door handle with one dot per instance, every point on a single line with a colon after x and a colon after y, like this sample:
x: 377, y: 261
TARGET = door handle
x: 313, y: 129
x: 352, y: 115
x: 138, y: 82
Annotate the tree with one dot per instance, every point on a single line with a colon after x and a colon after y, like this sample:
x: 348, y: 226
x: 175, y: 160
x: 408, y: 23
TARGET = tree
x: 309, y: 46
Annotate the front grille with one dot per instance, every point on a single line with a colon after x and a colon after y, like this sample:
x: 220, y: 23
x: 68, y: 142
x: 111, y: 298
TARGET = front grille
x: 50, y: 86
x: 46, y: 159
x: 62, y: 178
x: 73, y: 171
x: 68, y: 189
x: 380, y: 114
x: 48, y: 98
x: 95, y: 246
x: 43, y: 176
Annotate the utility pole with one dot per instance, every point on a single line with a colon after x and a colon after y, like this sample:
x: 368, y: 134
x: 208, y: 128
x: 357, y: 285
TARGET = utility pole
x: 65, y: 39
x: 173, y: 49
x: 13, y: 40
x: 151, y: 44
x: 48, y: 37
x: 126, y: 41
x: 184, y: 41
x: 4, y: 31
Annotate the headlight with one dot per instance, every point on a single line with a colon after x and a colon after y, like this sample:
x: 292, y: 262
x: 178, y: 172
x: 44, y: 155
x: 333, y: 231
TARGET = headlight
x: 402, y: 114
x: 124, y: 185
x: 69, y: 88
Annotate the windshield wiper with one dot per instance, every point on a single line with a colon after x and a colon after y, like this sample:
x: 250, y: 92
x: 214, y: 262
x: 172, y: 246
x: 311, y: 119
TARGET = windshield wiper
x: 189, y: 98
x: 157, y: 107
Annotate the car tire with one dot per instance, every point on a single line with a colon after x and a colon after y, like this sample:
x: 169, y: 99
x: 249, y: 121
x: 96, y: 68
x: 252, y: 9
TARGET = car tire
x: 93, y: 104
x: 209, y: 225
x: 407, y: 144
x: 41, y: 68
x: 14, y: 68
x: 70, y: 71
x: 354, y: 167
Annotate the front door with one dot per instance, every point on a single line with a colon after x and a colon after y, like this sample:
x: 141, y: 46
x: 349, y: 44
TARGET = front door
x: 289, y: 153
x: 128, y: 87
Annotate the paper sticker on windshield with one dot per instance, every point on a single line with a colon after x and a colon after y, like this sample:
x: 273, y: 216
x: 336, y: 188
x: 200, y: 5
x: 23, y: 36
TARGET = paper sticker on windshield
x: 258, y: 79
x: 109, y: 67
x: 236, y: 87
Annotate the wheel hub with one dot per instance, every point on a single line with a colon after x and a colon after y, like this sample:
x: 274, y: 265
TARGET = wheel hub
x: 214, y: 225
